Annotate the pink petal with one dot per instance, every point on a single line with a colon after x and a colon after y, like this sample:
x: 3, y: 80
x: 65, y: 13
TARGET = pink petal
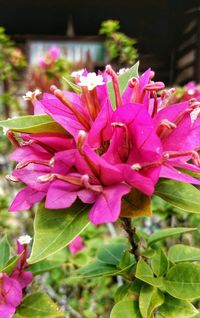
x: 24, y: 278
x: 108, y: 205
x: 25, y: 199
x: 170, y: 172
x: 7, y: 311
x: 61, y: 195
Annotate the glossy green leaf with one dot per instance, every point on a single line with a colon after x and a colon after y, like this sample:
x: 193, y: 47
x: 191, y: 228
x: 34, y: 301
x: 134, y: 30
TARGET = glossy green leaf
x: 32, y: 124
x: 177, y: 308
x: 4, y: 252
x: 183, y: 253
x: 183, y: 281
x: 38, y: 305
x: 43, y: 266
x: 150, y: 298
x: 123, y: 82
x: 122, y: 292
x: 182, y: 195
x: 145, y: 273
x: 159, y: 263
x: 126, y: 308
x: 10, y: 265
x: 98, y: 269
x: 111, y: 253
x: 54, y: 229
x: 165, y: 233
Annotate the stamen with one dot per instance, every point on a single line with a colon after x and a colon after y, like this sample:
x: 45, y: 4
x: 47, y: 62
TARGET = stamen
x: 134, y: 83
x: 90, y: 102
x: 81, y: 139
x: 154, y: 86
x: 95, y: 187
x: 124, y: 126
x: 114, y: 77
x: 194, y: 155
x: 11, y: 136
x: 50, y: 177
x: 25, y: 163
x: 94, y: 96
x: 136, y: 167
x: 12, y: 178
x: 164, y: 128
x: 61, y: 96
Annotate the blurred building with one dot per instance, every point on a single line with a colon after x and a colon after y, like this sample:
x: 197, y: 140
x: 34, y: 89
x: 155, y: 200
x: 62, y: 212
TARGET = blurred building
x: 168, y: 31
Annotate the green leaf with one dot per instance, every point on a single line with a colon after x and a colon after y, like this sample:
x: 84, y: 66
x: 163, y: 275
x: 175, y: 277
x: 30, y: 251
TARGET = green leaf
x: 38, y: 305
x: 74, y: 87
x: 43, y: 266
x: 149, y: 299
x: 126, y: 308
x: 111, y: 253
x: 98, y: 269
x: 145, y: 273
x: 122, y: 292
x: 177, y: 308
x: 11, y: 264
x: 123, y: 82
x: 159, y: 263
x: 182, y: 195
x: 165, y: 233
x: 4, y: 252
x: 32, y: 124
x: 54, y: 261
x: 183, y: 253
x: 183, y: 281
x: 54, y: 229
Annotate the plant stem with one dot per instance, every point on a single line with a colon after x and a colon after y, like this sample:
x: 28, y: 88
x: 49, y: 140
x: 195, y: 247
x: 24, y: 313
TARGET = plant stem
x: 130, y: 230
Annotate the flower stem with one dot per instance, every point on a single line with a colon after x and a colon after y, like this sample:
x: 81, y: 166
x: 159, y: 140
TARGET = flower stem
x: 130, y: 230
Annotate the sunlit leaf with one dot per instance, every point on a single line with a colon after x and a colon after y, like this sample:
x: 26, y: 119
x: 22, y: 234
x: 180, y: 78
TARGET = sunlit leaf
x: 182, y: 253
x: 165, y: 233
x: 4, y: 252
x: 136, y: 204
x: 32, y: 124
x: 126, y: 308
x: 182, y: 195
x: 145, y: 273
x: 149, y: 299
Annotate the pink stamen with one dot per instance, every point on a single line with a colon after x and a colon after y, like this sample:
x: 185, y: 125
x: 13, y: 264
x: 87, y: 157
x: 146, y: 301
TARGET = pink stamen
x: 154, y: 86
x: 81, y: 139
x: 164, y: 128
x: 61, y: 96
x: 11, y: 136
x: 12, y: 179
x: 85, y: 179
x: 194, y: 155
x: 25, y: 163
x: 114, y: 77
x: 90, y: 102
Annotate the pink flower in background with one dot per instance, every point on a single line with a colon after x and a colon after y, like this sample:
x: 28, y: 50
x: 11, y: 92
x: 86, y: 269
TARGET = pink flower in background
x: 54, y: 53
x: 76, y: 245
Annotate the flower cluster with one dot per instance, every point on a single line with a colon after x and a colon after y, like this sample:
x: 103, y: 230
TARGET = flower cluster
x: 103, y: 152
x: 52, y: 55
x: 11, y: 286
x: 185, y: 93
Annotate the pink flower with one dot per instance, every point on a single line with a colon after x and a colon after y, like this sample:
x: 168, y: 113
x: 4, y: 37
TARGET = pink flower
x: 20, y: 274
x: 76, y: 245
x: 54, y: 53
x: 10, y: 295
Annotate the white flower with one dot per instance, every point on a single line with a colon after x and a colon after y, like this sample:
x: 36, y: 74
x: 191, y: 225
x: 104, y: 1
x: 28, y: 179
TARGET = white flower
x: 31, y: 95
x: 122, y: 71
x: 91, y: 80
x: 77, y: 73
x: 24, y: 239
x: 5, y: 130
